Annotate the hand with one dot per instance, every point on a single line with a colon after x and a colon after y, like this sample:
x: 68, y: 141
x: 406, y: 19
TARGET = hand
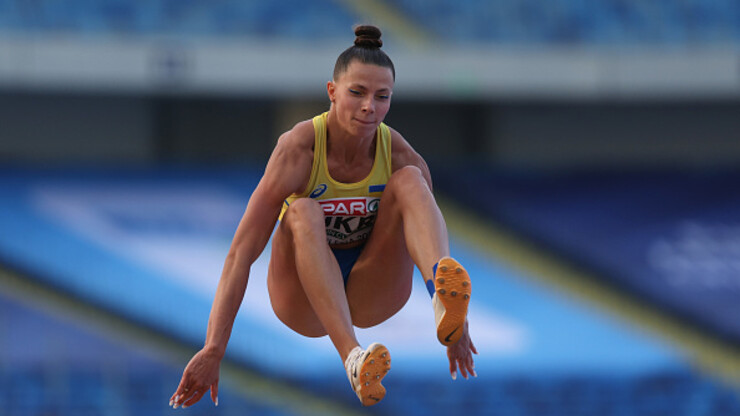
x: 200, y: 375
x: 461, y: 356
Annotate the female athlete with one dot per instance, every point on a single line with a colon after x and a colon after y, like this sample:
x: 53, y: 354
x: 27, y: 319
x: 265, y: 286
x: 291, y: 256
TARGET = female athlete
x: 356, y: 213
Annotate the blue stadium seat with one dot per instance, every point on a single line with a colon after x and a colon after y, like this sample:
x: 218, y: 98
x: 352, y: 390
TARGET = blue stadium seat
x: 610, y: 22
x: 577, y: 21
x: 181, y: 17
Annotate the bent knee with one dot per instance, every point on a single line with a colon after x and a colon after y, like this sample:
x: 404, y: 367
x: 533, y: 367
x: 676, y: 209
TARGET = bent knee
x: 408, y: 183
x: 304, y: 214
x: 406, y: 174
x: 305, y: 207
x: 407, y: 178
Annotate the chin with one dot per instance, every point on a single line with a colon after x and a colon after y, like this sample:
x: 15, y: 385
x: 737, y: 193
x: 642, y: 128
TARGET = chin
x: 367, y: 130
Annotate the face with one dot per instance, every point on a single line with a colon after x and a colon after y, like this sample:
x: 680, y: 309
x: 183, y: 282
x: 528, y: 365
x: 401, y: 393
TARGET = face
x: 361, y: 97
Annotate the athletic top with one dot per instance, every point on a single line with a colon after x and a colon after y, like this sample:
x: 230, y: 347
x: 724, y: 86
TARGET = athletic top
x: 350, y: 209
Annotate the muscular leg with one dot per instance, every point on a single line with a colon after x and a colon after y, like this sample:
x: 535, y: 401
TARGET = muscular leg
x: 304, y: 280
x: 409, y: 227
x: 423, y: 225
x: 409, y: 230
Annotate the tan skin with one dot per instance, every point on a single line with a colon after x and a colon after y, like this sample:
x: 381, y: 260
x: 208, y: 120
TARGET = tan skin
x: 304, y: 280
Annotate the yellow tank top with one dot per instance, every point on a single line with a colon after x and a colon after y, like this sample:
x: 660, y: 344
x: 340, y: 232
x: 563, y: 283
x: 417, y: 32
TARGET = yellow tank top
x: 350, y: 209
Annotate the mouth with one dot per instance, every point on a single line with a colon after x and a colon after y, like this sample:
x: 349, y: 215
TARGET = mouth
x: 367, y: 123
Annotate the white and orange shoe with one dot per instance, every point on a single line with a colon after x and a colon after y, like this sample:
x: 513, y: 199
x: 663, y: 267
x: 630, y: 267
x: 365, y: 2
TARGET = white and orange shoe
x: 450, y: 300
x: 366, y: 369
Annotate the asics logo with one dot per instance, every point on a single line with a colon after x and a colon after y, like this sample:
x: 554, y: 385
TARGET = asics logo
x: 318, y: 191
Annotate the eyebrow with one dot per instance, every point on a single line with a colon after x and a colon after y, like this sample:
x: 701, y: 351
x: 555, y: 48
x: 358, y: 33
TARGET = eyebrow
x: 360, y: 86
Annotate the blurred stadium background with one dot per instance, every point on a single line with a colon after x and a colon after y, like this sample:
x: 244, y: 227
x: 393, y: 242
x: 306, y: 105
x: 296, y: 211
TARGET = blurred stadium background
x: 585, y: 154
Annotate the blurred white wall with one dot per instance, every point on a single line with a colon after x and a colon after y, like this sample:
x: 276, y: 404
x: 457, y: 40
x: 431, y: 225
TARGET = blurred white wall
x: 224, y: 66
x: 150, y: 99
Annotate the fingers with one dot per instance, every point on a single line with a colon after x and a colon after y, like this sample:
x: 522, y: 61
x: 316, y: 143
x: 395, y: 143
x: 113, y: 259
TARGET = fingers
x: 187, y: 397
x: 470, y: 365
x: 453, y: 368
x: 199, y: 376
x: 187, y: 393
x: 463, y: 370
x: 465, y: 366
x: 463, y: 363
x: 181, y: 396
x: 214, y: 393
x: 461, y: 359
x: 198, y: 394
x: 472, y: 348
x: 177, y: 398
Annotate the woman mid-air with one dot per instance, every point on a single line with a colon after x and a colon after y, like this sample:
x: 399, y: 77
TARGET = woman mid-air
x: 355, y: 212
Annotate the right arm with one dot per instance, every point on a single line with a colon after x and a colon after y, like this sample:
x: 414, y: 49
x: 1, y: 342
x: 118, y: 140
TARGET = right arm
x: 287, y: 172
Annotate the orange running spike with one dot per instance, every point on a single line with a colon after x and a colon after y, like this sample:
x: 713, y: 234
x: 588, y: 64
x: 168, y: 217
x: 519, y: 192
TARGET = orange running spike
x: 451, y: 310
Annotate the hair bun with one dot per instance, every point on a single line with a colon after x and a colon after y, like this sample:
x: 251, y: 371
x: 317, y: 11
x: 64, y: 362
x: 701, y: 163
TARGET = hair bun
x: 368, y: 37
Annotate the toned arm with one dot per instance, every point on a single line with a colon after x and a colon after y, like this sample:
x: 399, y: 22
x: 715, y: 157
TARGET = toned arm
x: 287, y: 172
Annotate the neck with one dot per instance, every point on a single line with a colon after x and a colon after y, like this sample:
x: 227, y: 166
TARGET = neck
x: 343, y: 144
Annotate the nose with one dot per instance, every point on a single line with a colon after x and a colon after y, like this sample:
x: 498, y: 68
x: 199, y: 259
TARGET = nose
x: 368, y: 105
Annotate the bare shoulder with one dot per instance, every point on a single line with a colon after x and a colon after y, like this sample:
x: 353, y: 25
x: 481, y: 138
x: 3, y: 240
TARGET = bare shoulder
x: 289, y: 167
x: 298, y: 139
x: 403, y: 154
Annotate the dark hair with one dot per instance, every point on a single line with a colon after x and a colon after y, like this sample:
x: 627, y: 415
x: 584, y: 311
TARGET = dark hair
x: 366, y: 50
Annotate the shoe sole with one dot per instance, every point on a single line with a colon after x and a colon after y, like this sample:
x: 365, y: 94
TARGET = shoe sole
x: 374, y: 368
x: 453, y: 287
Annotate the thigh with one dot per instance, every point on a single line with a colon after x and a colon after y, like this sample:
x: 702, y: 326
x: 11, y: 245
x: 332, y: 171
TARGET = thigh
x: 381, y: 280
x: 288, y: 299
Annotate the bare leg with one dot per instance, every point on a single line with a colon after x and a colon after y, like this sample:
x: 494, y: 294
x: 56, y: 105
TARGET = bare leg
x: 423, y: 225
x: 305, y: 281
x: 409, y: 230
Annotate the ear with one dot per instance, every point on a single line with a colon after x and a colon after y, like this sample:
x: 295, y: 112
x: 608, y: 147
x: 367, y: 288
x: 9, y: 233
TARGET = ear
x: 331, y: 89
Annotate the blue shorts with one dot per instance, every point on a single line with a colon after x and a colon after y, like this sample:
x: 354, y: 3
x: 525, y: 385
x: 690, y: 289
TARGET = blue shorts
x: 347, y: 257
